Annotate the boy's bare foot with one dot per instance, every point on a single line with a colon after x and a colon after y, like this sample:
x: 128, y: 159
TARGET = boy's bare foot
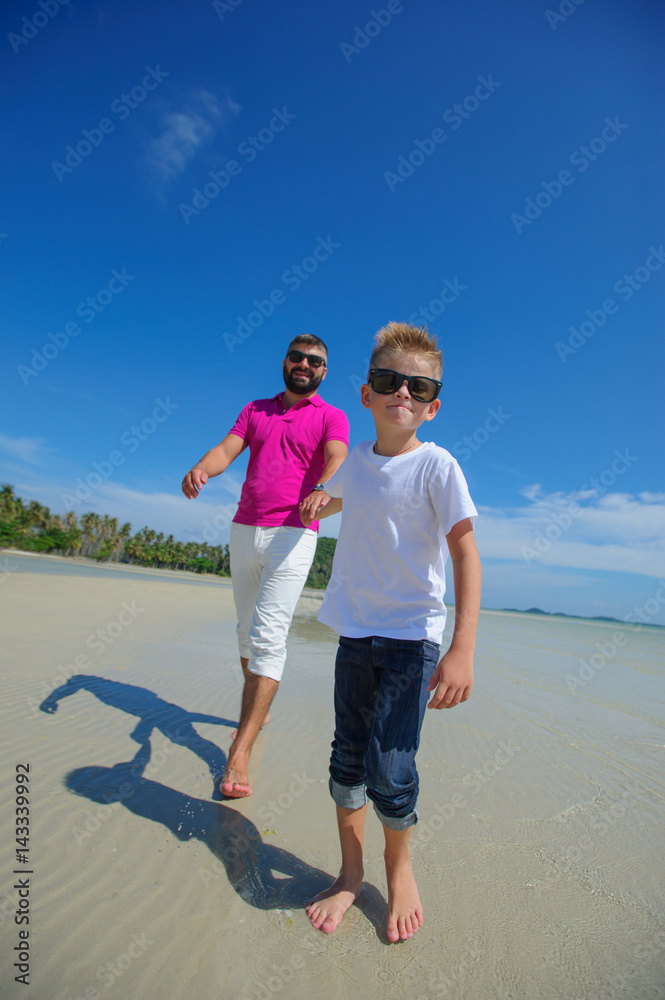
x: 234, y: 783
x: 327, y: 909
x: 405, y: 911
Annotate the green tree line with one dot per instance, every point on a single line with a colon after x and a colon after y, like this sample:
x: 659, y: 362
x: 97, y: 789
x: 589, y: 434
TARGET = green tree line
x: 32, y: 527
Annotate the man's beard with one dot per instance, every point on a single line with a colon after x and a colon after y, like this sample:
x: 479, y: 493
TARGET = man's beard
x: 302, y: 386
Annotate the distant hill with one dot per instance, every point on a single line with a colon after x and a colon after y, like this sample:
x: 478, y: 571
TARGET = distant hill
x: 560, y: 614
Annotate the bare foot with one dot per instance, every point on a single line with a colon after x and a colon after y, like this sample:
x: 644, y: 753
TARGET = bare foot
x: 405, y: 911
x: 327, y: 909
x: 235, y: 784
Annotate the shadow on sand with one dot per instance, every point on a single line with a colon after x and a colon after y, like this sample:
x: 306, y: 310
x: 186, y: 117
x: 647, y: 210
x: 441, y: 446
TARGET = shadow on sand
x: 154, y: 714
x: 248, y: 863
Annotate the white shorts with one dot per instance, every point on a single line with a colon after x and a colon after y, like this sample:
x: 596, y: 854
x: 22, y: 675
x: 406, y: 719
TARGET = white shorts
x: 269, y: 567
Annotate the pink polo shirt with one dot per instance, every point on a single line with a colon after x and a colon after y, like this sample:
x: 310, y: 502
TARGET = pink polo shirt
x: 286, y: 456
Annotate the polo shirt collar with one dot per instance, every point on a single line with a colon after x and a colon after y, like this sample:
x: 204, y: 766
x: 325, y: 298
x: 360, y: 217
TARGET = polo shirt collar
x: 314, y: 400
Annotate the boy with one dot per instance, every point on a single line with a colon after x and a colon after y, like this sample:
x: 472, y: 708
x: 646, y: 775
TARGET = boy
x: 406, y: 505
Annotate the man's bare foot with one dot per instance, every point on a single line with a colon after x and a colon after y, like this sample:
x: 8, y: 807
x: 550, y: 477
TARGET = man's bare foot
x: 405, y: 911
x: 235, y: 784
x: 327, y: 909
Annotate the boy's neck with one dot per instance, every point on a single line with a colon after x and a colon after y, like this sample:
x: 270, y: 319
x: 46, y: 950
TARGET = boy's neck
x: 391, y: 445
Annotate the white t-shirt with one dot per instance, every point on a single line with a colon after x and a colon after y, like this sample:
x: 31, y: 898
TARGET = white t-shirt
x: 388, y: 575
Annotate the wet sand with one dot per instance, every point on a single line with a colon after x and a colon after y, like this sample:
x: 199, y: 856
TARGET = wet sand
x: 538, y: 855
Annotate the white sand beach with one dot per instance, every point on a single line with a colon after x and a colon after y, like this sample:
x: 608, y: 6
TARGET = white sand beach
x: 538, y: 855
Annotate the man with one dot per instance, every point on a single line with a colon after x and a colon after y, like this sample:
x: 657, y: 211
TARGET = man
x: 296, y: 442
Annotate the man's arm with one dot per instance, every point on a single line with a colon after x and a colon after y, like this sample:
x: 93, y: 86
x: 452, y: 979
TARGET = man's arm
x: 453, y: 677
x: 334, y: 453
x: 213, y: 463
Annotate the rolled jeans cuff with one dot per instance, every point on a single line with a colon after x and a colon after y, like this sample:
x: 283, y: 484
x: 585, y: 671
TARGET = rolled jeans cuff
x: 355, y: 797
x: 348, y: 796
x: 398, y: 822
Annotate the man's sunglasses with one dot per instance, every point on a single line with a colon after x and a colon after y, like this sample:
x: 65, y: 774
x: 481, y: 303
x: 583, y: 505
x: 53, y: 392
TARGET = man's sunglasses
x: 385, y: 381
x: 314, y: 360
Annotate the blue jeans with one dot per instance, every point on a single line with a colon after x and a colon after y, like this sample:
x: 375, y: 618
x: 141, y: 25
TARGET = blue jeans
x: 380, y: 699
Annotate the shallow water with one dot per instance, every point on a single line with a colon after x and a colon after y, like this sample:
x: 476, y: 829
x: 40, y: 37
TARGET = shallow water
x: 542, y: 811
x: 19, y: 562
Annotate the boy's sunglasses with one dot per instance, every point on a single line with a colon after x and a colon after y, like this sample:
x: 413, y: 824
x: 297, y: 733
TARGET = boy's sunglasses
x: 385, y: 381
x: 314, y: 360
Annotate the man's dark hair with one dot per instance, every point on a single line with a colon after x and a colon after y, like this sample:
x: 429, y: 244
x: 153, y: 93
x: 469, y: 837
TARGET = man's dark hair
x: 311, y: 341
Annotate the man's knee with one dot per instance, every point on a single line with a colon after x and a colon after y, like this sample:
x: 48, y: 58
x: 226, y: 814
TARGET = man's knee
x: 262, y: 678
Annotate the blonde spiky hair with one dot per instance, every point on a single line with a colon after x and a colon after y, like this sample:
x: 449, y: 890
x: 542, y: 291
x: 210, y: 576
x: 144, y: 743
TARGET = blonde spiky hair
x: 408, y: 339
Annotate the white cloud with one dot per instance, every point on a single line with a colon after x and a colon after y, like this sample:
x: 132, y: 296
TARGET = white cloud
x: 31, y: 450
x: 185, y: 131
x: 618, y: 532
x: 170, y: 513
x: 531, y: 492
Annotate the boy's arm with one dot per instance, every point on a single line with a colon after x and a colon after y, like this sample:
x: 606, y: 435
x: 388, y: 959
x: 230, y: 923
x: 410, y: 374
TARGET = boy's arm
x: 453, y: 677
x: 213, y: 463
x: 334, y: 454
x: 333, y: 505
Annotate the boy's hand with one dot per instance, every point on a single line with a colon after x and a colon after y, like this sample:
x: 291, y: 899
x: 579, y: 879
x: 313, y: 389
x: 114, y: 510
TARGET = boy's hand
x: 453, y: 680
x: 311, y: 505
x: 195, y: 480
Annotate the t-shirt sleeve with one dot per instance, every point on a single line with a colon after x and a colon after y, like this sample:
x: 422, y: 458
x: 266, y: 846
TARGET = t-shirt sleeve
x: 449, y: 494
x: 336, y: 426
x: 241, y: 426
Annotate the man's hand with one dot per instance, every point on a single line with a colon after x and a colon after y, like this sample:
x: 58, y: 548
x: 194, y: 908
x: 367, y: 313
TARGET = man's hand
x: 311, y: 505
x: 453, y: 679
x: 194, y: 481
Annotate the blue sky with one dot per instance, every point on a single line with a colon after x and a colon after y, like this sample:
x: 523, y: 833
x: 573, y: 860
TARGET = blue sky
x: 493, y: 170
